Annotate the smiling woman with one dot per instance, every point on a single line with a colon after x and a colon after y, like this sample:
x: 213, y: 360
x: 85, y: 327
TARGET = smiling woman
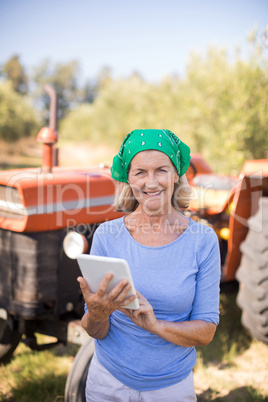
x: 125, y: 200
x: 166, y: 166
x: 149, y: 354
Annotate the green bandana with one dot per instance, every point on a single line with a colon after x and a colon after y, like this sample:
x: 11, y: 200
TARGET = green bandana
x: 143, y: 140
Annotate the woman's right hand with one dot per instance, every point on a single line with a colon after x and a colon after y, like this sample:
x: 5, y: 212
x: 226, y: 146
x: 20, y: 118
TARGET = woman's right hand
x: 102, y: 304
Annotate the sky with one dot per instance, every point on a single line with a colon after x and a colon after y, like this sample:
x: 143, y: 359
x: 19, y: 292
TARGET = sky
x: 152, y: 37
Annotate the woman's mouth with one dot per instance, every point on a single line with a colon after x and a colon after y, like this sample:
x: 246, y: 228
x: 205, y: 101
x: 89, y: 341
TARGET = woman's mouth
x: 153, y: 194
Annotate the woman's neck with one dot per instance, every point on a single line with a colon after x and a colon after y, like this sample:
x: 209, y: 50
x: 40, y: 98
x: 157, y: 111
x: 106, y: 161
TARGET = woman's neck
x: 156, y: 230
x: 151, y: 218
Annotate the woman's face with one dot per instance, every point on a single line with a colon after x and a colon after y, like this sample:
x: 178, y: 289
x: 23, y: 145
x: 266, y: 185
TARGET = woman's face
x: 152, y: 176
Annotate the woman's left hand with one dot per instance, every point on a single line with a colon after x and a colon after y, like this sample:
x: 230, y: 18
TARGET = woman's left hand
x: 143, y: 317
x: 185, y: 333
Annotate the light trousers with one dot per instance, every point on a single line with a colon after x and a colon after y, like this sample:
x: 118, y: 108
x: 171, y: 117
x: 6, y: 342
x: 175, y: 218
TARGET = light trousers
x: 102, y: 386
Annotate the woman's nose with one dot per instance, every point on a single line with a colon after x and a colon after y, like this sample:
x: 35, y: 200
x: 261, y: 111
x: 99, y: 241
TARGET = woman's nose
x: 151, y: 181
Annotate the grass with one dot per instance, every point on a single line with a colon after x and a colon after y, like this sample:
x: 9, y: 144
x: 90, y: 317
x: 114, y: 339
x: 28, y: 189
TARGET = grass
x: 36, y: 376
x: 232, y: 368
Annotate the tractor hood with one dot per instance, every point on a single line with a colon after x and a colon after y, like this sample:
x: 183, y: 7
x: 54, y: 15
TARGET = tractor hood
x: 33, y: 201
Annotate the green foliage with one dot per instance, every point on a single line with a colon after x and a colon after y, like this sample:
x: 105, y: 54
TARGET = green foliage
x: 220, y: 108
x: 116, y: 110
x: 121, y: 106
x: 17, y: 118
x: 227, y: 109
x: 14, y: 72
x: 64, y: 78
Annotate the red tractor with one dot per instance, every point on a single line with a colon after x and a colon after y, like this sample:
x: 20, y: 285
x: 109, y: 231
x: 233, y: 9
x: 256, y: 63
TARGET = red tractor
x: 237, y: 209
x: 48, y: 216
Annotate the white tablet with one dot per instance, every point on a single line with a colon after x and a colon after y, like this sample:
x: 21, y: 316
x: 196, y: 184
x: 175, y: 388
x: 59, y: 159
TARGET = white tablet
x: 94, y: 268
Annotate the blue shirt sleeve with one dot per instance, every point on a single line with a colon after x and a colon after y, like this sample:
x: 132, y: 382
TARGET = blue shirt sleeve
x: 97, y: 247
x: 206, y: 300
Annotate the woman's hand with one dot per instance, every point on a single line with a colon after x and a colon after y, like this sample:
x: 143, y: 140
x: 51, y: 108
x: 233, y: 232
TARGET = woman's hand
x: 186, y: 333
x: 102, y: 304
x: 143, y: 317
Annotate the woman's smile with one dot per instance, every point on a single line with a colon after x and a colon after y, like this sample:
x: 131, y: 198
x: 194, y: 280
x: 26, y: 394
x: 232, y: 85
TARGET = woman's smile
x: 153, y: 194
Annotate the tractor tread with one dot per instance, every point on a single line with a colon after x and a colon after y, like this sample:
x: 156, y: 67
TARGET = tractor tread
x: 252, y: 275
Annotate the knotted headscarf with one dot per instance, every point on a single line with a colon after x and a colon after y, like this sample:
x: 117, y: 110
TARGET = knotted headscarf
x: 143, y: 140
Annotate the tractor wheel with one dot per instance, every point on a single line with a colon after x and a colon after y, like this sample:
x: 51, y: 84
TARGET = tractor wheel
x: 76, y: 380
x: 9, y: 340
x: 253, y: 275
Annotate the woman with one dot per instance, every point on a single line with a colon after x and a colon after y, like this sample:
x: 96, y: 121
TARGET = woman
x: 148, y: 354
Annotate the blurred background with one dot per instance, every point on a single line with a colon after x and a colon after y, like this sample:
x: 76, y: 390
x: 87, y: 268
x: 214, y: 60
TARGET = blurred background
x: 196, y: 68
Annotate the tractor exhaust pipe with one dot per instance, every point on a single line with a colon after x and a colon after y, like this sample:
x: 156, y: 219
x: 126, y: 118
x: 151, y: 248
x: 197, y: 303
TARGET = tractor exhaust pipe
x: 53, y: 109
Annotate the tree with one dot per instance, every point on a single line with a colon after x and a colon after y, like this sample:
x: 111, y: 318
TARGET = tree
x: 14, y: 71
x: 220, y: 108
x: 226, y: 108
x: 114, y: 112
x: 88, y: 93
x: 17, y: 118
x: 64, y: 78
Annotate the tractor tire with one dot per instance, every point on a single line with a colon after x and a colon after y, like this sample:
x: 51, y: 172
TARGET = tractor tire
x: 76, y: 380
x: 252, y: 275
x: 9, y: 340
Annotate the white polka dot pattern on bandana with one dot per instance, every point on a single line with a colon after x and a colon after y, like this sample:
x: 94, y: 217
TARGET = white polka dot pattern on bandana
x: 141, y: 140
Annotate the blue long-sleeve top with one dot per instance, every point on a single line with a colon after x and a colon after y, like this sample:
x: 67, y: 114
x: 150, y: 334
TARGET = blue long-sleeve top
x: 181, y: 282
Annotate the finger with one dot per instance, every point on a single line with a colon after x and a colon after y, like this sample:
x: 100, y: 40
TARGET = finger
x: 140, y: 295
x: 84, y: 287
x: 104, y: 284
x: 142, y: 300
x: 120, y: 291
x: 143, y: 309
x: 136, y: 313
x: 128, y: 300
x: 126, y: 311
